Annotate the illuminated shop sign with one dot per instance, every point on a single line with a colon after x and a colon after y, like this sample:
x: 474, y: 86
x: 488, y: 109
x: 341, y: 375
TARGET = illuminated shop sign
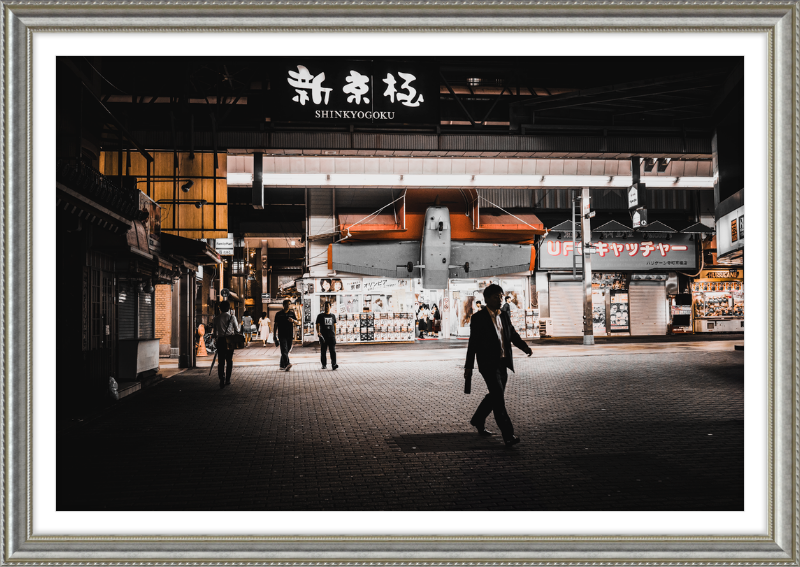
x: 372, y: 91
x: 632, y: 253
x: 721, y: 275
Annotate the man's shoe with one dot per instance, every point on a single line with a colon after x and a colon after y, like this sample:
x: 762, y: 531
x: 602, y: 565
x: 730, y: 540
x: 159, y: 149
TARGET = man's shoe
x: 324, y: 367
x: 221, y: 384
x: 288, y: 367
x: 334, y: 367
x: 513, y: 441
x: 227, y: 382
x: 481, y: 428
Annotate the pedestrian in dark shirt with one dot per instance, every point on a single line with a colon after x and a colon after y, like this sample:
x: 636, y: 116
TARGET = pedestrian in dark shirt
x: 436, y: 318
x: 506, y: 308
x: 225, y: 325
x: 326, y: 331
x: 285, y: 322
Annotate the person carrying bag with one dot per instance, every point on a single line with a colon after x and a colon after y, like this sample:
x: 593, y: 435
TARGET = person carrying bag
x: 229, y: 338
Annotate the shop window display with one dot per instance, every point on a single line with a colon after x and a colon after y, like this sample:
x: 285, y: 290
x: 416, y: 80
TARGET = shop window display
x: 718, y: 300
x: 531, y: 324
x: 610, y: 302
x: 363, y: 315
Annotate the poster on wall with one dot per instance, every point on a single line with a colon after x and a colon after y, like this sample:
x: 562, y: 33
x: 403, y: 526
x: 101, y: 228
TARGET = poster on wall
x: 598, y: 312
x: 385, y: 284
x: 349, y: 303
x: 467, y: 299
x: 379, y: 303
x: 329, y: 285
x: 619, y: 311
x: 515, y: 300
x: 470, y: 304
x: 531, y: 324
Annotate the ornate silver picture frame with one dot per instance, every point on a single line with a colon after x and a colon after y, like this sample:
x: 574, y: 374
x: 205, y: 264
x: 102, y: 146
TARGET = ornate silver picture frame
x: 779, y: 21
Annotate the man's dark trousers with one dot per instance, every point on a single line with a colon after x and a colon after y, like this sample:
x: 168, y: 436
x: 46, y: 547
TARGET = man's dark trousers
x: 326, y: 343
x: 495, y: 402
x: 224, y: 361
x: 286, y: 346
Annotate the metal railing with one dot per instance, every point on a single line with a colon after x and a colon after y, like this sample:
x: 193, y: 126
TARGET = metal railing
x: 84, y: 179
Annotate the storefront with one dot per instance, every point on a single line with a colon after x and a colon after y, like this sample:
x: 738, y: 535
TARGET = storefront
x: 718, y: 301
x: 368, y: 310
x: 377, y: 310
x: 633, y: 276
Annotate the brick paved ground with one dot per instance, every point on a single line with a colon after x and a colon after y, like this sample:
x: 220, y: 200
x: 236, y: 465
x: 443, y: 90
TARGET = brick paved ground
x: 619, y: 432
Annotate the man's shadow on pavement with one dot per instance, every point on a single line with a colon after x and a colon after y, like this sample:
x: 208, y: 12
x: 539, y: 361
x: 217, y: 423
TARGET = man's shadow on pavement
x: 446, y: 442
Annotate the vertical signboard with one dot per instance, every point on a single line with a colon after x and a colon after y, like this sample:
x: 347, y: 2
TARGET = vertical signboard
x: 730, y: 234
x: 374, y: 91
x: 619, y: 311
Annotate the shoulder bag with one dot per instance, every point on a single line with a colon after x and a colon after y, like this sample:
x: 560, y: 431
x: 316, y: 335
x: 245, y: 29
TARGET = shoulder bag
x: 236, y: 340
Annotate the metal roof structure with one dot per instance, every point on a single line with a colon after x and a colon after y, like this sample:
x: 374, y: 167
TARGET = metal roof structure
x: 613, y: 226
x: 698, y: 228
x: 658, y: 226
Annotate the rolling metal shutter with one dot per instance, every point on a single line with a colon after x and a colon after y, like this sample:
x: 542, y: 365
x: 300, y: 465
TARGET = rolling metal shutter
x: 126, y: 312
x: 566, y: 309
x: 648, y: 308
x: 147, y: 316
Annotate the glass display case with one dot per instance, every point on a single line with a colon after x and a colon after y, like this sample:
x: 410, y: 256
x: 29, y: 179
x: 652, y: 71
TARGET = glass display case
x: 375, y: 327
x: 718, y: 306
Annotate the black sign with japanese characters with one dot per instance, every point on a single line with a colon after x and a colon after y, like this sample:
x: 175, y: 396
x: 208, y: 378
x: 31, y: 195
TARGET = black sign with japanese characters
x: 336, y: 91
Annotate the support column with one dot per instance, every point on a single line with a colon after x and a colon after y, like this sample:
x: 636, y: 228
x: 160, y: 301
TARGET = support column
x: 185, y: 322
x: 258, y: 181
x: 175, y: 324
x: 193, y: 322
x: 264, y: 275
x: 586, y: 234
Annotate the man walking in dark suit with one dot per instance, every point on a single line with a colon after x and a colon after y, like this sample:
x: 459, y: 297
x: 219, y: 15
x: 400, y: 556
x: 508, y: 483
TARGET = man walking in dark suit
x: 285, y: 322
x: 490, y: 337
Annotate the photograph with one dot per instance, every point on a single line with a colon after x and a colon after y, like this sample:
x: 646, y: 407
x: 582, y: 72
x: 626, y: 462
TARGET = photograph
x: 133, y: 345
x: 326, y: 293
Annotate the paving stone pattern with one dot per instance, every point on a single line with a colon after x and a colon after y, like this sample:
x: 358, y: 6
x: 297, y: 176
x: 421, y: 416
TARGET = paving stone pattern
x: 622, y: 432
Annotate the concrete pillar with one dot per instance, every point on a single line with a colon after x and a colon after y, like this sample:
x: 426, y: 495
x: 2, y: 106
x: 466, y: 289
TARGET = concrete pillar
x: 586, y: 230
x: 173, y: 339
x: 186, y: 322
x: 264, y: 275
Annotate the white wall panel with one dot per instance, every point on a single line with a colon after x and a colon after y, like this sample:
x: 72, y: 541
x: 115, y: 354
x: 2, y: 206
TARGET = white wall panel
x: 320, y: 221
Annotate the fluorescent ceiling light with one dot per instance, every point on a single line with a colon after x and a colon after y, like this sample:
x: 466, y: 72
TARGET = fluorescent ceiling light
x: 240, y: 179
x: 468, y: 180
